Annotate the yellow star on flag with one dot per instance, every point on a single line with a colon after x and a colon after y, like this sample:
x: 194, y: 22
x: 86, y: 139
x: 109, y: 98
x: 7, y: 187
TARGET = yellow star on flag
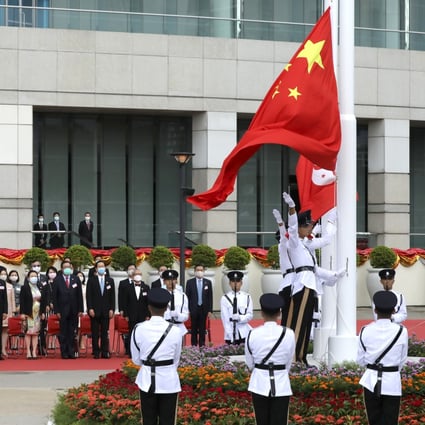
x: 287, y: 67
x: 294, y: 93
x: 311, y: 52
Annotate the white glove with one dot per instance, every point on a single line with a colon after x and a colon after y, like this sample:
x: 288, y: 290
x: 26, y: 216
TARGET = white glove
x: 288, y: 200
x: 235, y: 317
x: 340, y: 273
x: 174, y: 314
x: 277, y: 216
x: 332, y: 215
x: 317, y: 229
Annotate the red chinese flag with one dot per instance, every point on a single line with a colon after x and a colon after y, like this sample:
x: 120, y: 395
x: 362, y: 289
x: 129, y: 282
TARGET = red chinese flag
x: 300, y: 111
x: 316, y: 188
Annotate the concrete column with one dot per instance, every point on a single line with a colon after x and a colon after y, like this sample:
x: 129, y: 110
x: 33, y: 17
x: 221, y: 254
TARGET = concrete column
x: 214, y: 136
x: 16, y: 176
x: 388, y: 182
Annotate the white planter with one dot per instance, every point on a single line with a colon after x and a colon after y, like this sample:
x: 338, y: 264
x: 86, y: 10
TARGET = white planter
x: 225, y: 286
x: 373, y: 282
x: 270, y: 281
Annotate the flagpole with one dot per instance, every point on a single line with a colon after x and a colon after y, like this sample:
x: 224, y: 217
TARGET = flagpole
x: 328, y: 253
x: 343, y: 346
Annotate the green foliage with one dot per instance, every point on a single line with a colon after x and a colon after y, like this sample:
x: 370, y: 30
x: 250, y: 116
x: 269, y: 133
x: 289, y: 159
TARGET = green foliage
x: 122, y: 257
x: 236, y: 258
x: 273, y: 257
x: 79, y: 255
x: 160, y: 256
x: 36, y: 254
x: 203, y: 255
x: 382, y: 257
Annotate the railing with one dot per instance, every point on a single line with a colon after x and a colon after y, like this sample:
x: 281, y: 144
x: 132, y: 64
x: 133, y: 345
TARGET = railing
x: 191, y: 25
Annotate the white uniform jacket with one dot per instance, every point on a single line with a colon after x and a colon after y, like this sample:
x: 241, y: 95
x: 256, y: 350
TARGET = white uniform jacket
x: 143, y: 339
x: 302, y: 253
x: 400, y: 309
x: 181, y: 308
x: 374, y: 339
x: 245, y: 311
x: 285, y: 263
x: 257, y: 346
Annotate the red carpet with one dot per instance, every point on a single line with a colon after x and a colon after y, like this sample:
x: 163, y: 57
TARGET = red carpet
x: 86, y: 362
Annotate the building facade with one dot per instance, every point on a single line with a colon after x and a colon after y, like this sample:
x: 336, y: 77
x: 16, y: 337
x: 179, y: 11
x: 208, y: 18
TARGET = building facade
x: 93, y: 102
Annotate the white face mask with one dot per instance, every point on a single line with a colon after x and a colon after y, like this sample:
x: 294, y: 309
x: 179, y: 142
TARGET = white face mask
x: 41, y: 220
x: 33, y: 279
x: 13, y: 278
x: 3, y: 277
x: 37, y: 269
x: 56, y: 218
x: 87, y: 218
x: 199, y: 274
x: 138, y: 278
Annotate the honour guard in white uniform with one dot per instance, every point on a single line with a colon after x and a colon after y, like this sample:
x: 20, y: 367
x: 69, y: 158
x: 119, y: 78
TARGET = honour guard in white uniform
x: 383, y: 351
x: 156, y: 346
x: 178, y: 307
x: 236, y: 310
x: 269, y: 350
x: 400, y: 310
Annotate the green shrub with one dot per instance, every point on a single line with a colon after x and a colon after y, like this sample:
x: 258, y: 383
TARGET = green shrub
x: 382, y: 257
x: 79, y: 256
x: 122, y: 257
x: 37, y: 254
x: 203, y: 255
x: 236, y: 258
x: 273, y: 257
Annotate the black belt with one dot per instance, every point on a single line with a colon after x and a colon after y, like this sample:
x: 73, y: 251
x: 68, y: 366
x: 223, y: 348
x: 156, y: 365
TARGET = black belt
x: 304, y: 269
x: 153, y: 364
x: 271, y: 367
x: 287, y: 271
x: 174, y: 321
x: 380, y: 368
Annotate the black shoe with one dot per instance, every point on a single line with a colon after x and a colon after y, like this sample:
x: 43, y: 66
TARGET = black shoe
x: 64, y: 356
x: 96, y: 356
x: 105, y: 356
x: 72, y: 356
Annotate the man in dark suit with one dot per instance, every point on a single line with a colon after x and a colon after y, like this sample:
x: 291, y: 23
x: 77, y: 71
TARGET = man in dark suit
x: 92, y: 270
x: 159, y: 283
x: 40, y: 239
x: 100, y: 297
x: 85, y: 230
x: 68, y: 304
x: 56, y: 239
x: 135, y: 303
x: 200, y: 295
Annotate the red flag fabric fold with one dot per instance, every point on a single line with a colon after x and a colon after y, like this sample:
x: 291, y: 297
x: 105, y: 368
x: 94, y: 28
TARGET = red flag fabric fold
x: 300, y: 110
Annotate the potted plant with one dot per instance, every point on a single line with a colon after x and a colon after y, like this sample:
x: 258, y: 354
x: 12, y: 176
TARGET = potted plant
x: 272, y: 276
x: 37, y: 254
x: 79, y: 255
x: 235, y: 258
x: 381, y: 257
x: 122, y: 257
x: 203, y: 255
x: 159, y: 256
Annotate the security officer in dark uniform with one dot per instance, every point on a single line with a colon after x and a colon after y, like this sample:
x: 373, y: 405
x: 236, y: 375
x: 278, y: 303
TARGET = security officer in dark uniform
x: 269, y: 350
x: 382, y: 350
x: 156, y: 346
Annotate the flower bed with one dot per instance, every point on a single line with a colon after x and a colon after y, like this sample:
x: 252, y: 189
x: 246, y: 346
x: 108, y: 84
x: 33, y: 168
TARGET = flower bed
x: 214, y: 393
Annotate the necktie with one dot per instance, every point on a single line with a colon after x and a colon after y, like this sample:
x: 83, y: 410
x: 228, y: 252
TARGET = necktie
x: 102, y: 285
x: 67, y: 281
x: 199, y: 287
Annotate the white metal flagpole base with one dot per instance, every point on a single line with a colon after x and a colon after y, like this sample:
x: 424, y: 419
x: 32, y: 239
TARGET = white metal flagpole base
x: 321, y: 343
x: 342, y: 349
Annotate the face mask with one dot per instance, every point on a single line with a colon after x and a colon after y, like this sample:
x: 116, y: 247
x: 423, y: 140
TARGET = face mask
x: 33, y: 279
x: 37, y: 269
x: 137, y: 278
x: 87, y: 218
x: 101, y: 270
x: 56, y: 218
x: 41, y: 220
x: 13, y: 278
x: 67, y: 271
x: 199, y: 274
x: 3, y: 276
x: 52, y: 275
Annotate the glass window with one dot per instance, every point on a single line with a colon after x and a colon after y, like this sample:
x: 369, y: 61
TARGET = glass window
x: 417, y: 193
x: 119, y: 168
x: 362, y: 173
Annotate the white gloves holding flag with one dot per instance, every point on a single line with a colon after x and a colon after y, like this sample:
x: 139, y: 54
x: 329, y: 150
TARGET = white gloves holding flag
x: 340, y: 273
x: 317, y: 229
x: 174, y: 314
x: 277, y: 216
x: 235, y: 317
x: 288, y: 200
